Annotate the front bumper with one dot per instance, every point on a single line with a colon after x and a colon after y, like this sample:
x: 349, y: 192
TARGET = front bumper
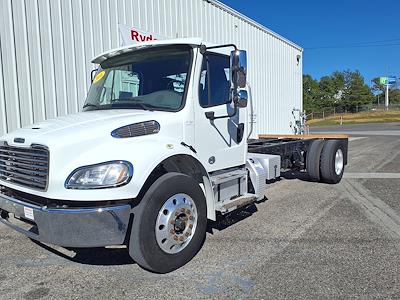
x: 67, y: 227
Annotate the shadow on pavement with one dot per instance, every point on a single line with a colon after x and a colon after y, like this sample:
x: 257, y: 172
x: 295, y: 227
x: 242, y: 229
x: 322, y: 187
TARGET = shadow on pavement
x: 94, y: 256
x: 293, y: 174
x: 225, y: 221
x: 120, y: 256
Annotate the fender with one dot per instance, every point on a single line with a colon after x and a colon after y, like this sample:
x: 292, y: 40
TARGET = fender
x: 171, y: 151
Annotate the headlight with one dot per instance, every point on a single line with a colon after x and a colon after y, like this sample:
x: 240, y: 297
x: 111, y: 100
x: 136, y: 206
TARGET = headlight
x: 104, y: 175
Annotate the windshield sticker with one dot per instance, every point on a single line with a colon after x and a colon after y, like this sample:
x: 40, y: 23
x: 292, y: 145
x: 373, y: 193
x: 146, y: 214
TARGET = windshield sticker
x: 99, y: 77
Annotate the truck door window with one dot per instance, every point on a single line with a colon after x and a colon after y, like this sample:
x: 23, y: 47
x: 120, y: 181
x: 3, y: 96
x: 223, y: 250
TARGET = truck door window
x: 214, y: 80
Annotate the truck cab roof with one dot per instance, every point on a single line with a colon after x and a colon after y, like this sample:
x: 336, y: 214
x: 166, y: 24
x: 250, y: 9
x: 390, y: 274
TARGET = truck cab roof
x: 130, y: 48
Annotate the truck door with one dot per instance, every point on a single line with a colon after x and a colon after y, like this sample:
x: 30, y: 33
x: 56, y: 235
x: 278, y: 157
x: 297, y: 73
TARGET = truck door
x: 220, y: 143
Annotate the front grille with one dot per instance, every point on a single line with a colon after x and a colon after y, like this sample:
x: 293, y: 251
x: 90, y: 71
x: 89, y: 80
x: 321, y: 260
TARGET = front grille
x: 25, y: 166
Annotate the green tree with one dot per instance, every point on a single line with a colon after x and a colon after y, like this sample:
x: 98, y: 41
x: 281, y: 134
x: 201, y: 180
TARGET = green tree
x: 327, y: 91
x: 394, y: 96
x: 356, y: 92
x: 310, y: 94
x: 339, y: 83
x: 331, y: 89
x: 346, y: 89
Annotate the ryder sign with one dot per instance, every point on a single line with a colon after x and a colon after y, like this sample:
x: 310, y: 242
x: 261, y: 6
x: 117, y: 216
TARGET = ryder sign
x: 132, y: 35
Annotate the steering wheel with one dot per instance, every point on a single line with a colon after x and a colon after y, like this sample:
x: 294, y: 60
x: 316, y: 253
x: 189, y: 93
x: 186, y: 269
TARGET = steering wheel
x: 170, y: 85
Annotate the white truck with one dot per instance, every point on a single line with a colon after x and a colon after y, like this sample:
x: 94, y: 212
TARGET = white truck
x: 162, y: 146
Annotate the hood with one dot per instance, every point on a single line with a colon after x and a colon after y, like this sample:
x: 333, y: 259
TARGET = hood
x: 82, y: 126
x: 85, y: 139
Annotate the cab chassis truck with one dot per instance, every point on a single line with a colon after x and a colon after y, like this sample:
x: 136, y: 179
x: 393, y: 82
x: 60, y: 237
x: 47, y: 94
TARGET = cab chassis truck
x: 162, y: 146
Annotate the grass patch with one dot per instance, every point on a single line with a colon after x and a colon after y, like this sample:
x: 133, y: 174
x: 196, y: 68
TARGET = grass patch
x: 359, y: 118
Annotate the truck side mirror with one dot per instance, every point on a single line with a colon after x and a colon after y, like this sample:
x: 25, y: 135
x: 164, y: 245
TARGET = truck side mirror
x: 242, y: 98
x: 238, y: 69
x: 93, y: 73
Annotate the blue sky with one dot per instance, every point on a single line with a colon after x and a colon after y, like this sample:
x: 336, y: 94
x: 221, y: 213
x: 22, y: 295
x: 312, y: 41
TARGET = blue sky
x: 334, y: 23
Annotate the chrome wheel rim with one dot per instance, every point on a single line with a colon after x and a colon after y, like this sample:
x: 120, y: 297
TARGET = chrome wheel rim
x: 176, y: 223
x: 339, y: 162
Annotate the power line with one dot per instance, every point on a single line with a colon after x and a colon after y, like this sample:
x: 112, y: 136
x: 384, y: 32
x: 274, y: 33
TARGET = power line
x: 386, y: 43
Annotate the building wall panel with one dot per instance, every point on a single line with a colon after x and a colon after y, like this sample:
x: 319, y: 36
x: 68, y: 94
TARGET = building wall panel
x: 22, y: 58
x: 3, y: 117
x: 47, y: 59
x: 46, y: 47
x: 11, y: 95
x: 59, y: 58
x: 35, y: 61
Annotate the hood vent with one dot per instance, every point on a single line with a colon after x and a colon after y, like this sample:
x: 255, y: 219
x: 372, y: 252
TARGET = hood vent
x: 137, y: 129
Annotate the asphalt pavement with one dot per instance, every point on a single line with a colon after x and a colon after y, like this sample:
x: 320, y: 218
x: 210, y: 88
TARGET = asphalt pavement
x: 307, y: 240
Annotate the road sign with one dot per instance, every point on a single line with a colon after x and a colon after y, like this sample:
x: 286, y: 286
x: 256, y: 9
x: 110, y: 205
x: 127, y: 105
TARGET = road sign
x: 387, y: 80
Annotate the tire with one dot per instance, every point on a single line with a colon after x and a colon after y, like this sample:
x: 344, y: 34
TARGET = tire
x: 313, y: 160
x: 148, y: 243
x: 330, y: 171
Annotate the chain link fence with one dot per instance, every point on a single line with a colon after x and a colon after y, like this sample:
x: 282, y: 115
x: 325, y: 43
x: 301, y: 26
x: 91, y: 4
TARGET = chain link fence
x: 341, y: 110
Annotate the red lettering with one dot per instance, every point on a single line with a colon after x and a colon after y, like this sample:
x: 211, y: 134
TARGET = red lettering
x: 134, y: 35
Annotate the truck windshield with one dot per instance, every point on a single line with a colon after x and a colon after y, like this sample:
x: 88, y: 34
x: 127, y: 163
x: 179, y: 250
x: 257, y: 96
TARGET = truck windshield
x: 148, y: 79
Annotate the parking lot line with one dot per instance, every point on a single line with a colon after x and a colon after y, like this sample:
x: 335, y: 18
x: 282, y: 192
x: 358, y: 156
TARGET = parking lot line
x: 371, y: 175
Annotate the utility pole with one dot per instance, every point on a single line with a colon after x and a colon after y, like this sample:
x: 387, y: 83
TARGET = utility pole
x: 387, y: 91
x: 387, y: 97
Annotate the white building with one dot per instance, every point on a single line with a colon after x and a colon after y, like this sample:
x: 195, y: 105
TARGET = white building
x: 46, y: 47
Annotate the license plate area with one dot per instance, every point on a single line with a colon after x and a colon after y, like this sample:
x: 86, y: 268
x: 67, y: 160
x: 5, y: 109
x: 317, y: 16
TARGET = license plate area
x: 21, y: 222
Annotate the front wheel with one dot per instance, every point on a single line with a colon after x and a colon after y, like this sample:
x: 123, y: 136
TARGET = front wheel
x: 169, y: 224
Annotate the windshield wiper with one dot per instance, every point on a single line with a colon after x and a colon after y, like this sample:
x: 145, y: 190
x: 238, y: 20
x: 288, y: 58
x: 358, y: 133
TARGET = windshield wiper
x: 129, y: 102
x: 144, y: 106
x: 122, y: 105
x: 91, y: 105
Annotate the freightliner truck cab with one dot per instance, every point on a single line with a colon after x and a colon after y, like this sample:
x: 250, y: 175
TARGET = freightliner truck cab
x: 160, y: 147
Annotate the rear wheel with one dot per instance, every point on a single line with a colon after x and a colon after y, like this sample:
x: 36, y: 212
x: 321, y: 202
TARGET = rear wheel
x: 169, y: 224
x: 313, y: 159
x: 332, y: 161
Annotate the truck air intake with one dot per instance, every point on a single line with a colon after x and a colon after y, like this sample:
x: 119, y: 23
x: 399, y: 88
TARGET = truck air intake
x: 136, y: 129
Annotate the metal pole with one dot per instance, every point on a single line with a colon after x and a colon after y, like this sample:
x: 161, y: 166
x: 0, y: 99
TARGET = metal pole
x: 387, y: 97
x: 387, y: 90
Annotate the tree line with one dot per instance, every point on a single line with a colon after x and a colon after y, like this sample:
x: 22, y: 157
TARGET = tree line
x: 344, y: 89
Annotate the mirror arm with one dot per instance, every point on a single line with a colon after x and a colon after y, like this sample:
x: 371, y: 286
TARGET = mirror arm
x: 204, y: 48
x: 211, y: 115
x: 92, y: 73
